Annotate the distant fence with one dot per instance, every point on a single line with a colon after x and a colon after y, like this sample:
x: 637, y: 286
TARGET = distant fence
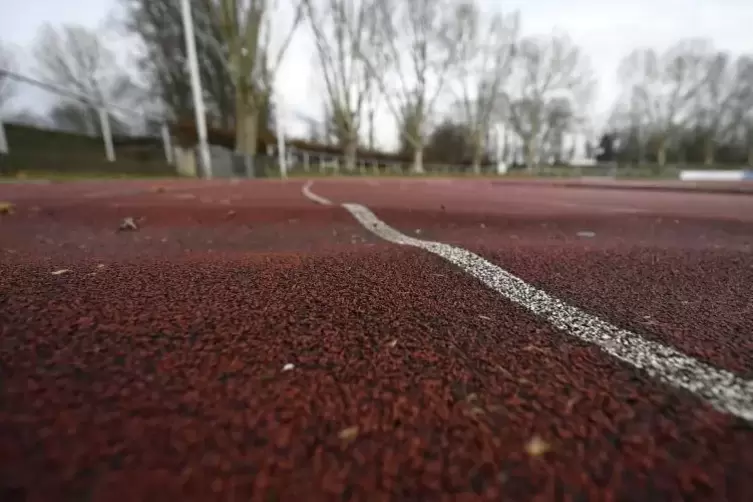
x: 75, y: 134
x: 32, y: 149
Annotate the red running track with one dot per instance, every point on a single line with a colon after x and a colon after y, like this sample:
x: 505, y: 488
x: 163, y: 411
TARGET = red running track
x: 156, y: 366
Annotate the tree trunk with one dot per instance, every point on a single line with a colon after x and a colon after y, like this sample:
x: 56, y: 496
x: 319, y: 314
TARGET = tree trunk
x: 371, y: 129
x: 708, y: 152
x: 530, y: 154
x: 351, y: 151
x: 418, y: 159
x: 661, y: 154
x: 250, y: 120
x: 477, y: 155
x: 246, y: 129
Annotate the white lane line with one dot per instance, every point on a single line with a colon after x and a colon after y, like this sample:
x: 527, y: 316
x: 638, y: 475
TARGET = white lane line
x: 724, y: 390
x: 314, y: 197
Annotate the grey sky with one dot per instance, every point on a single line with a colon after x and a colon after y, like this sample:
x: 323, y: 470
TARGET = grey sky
x: 606, y: 30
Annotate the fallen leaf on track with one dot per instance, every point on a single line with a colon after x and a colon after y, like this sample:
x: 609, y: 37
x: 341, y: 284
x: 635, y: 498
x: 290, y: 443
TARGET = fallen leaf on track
x: 348, y: 434
x: 288, y: 367
x: 128, y: 224
x: 537, y: 446
x: 6, y: 208
x: 61, y: 271
x: 392, y: 344
x: 475, y: 411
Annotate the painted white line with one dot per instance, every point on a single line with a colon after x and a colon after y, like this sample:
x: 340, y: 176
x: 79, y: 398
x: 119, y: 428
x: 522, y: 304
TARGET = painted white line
x: 314, y: 197
x: 724, y: 390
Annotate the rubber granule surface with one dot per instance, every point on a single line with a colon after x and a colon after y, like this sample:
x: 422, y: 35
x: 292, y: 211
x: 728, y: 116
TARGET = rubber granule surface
x: 298, y: 357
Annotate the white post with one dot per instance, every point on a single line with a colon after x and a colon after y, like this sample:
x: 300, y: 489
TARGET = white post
x: 104, y: 120
x: 501, y: 131
x: 167, y: 144
x: 3, y: 139
x: 198, y: 100
x: 282, y: 158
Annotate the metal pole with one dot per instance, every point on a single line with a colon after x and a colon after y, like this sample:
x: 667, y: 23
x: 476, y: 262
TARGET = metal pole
x: 281, y: 151
x: 167, y: 144
x: 104, y: 120
x: 3, y: 139
x: 198, y: 100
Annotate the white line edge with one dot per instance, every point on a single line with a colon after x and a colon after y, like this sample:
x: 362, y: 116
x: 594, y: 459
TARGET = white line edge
x: 724, y: 390
x: 314, y: 197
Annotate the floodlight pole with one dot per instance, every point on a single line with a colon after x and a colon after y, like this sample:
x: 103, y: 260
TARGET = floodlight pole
x: 198, y: 100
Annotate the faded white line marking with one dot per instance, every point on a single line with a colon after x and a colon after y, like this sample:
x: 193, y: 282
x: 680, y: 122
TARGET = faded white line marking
x: 314, y: 197
x: 724, y: 390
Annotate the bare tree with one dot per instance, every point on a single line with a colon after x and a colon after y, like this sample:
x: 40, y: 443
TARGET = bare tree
x: 546, y: 69
x: 163, y: 61
x: 7, y: 87
x: 485, y: 56
x: 721, y: 99
x: 342, y: 31
x: 415, y: 49
x: 662, y: 88
x: 250, y: 31
x: 558, y: 118
x: 78, y: 59
x: 743, y: 104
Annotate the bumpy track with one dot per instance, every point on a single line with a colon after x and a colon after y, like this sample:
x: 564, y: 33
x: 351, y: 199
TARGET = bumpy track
x: 248, y: 342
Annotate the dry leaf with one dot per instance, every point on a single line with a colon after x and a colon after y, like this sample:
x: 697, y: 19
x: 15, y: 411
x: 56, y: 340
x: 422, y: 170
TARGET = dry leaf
x: 128, y: 224
x: 6, y: 208
x: 476, y: 411
x: 348, y: 434
x: 537, y: 446
x: 392, y: 344
x: 570, y: 403
x: 288, y: 367
x: 61, y: 271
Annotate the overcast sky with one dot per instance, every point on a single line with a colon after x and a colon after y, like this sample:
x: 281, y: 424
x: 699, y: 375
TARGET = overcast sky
x: 607, y: 30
